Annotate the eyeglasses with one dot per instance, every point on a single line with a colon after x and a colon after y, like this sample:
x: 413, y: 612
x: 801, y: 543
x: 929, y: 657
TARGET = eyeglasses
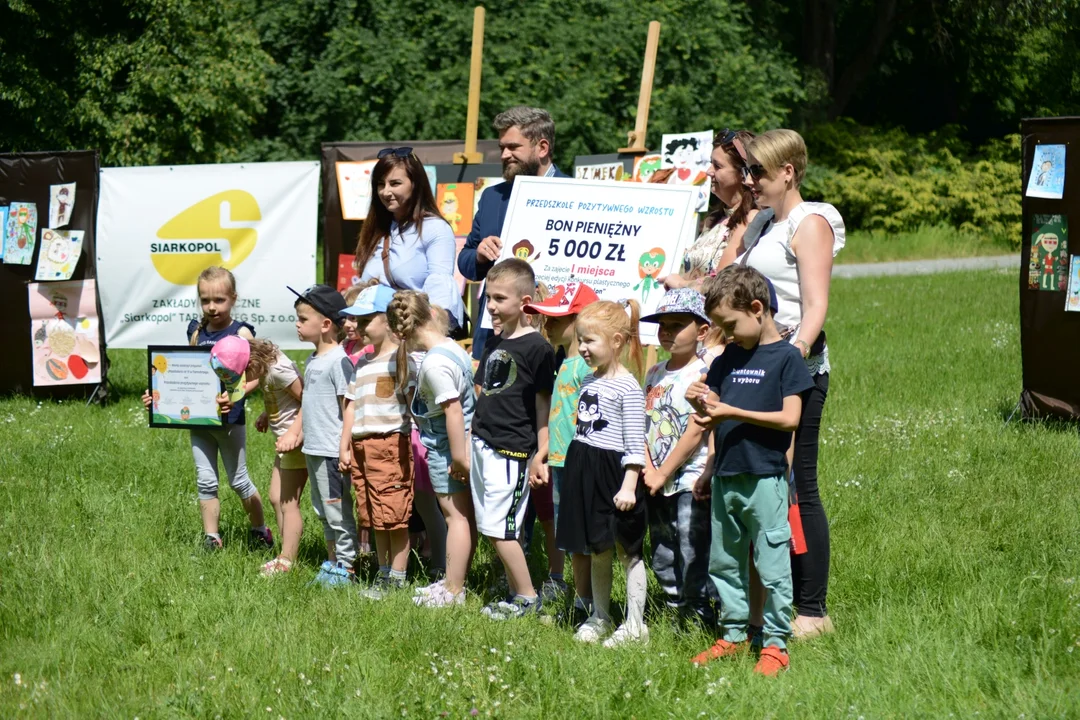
x: 401, y: 152
x: 755, y: 171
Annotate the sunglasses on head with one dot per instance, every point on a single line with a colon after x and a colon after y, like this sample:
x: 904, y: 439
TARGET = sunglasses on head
x: 401, y: 152
x: 730, y: 138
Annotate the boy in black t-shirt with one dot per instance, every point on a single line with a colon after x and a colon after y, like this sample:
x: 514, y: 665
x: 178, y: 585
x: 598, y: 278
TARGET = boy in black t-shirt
x: 751, y: 396
x: 516, y: 375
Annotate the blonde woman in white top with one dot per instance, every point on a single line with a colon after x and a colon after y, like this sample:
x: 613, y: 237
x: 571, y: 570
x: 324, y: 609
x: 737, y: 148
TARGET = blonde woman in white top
x: 796, y: 253
x: 725, y: 226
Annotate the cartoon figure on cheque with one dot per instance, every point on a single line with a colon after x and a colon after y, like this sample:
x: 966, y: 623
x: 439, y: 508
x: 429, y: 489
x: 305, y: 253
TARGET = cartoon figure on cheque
x: 649, y: 266
x: 524, y: 250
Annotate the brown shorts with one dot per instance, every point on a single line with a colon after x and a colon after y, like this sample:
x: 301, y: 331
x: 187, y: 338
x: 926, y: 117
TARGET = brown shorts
x: 383, y: 481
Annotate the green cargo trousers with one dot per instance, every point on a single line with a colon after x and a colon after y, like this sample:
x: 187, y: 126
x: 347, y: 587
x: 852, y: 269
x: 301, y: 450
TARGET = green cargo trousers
x: 751, y: 509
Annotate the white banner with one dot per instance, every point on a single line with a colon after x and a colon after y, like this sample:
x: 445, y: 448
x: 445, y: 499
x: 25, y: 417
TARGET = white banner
x: 159, y: 227
x: 616, y: 237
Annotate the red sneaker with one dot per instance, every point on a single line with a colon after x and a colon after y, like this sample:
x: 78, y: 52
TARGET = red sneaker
x: 720, y: 649
x: 773, y: 661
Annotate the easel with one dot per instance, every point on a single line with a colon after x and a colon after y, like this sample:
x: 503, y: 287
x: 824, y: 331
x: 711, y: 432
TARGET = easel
x: 641, y: 125
x: 472, y: 124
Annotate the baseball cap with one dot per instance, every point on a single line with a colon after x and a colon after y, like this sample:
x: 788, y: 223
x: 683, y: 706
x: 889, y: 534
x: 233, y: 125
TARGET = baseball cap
x: 325, y: 299
x: 566, y: 299
x: 680, y: 301
x: 774, y: 304
x: 371, y: 300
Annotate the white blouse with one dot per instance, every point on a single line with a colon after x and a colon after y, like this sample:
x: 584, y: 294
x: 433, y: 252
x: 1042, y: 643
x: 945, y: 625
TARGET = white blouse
x: 772, y: 256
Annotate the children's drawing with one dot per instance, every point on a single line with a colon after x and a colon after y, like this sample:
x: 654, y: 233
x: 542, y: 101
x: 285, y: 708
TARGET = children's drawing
x: 455, y: 201
x: 649, y: 266
x: 481, y: 185
x: 20, y: 233
x: 3, y: 229
x: 1049, y: 263
x: 645, y: 166
x: 60, y: 251
x: 604, y: 171
x: 688, y: 154
x: 1072, y: 299
x: 1047, y: 178
x: 64, y: 328
x: 346, y: 272
x: 354, y: 188
x: 61, y: 202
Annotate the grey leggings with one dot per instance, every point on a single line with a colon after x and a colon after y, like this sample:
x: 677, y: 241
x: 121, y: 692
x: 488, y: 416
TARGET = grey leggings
x: 230, y: 441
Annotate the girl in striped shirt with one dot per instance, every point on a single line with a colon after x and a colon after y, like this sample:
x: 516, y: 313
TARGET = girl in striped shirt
x: 602, y: 504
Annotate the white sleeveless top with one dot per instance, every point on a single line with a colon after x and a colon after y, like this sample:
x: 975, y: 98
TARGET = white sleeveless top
x: 772, y: 256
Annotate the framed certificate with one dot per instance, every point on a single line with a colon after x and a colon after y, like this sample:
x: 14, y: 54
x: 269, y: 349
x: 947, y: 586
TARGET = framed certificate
x: 183, y: 386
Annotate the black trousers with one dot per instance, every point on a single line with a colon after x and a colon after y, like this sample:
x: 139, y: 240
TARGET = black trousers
x: 810, y: 571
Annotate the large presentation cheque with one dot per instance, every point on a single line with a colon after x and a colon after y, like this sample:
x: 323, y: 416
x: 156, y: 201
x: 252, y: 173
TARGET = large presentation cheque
x: 616, y: 237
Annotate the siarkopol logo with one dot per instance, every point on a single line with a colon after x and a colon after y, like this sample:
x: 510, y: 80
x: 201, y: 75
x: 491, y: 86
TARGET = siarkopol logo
x: 218, y: 230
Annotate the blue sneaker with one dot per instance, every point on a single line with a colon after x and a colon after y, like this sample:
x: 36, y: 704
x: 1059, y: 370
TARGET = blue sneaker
x: 339, y: 576
x: 323, y: 575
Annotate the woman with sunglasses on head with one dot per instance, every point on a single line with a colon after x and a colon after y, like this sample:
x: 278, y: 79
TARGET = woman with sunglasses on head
x: 796, y: 254
x: 405, y: 243
x: 726, y: 225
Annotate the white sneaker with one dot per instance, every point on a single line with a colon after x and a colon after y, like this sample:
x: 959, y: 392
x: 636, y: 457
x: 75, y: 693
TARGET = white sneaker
x: 428, y: 589
x: 440, y: 597
x: 627, y: 634
x: 593, y: 630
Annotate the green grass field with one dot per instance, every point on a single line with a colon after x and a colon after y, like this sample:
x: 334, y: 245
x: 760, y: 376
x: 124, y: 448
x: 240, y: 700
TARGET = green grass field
x: 926, y: 243
x: 956, y: 558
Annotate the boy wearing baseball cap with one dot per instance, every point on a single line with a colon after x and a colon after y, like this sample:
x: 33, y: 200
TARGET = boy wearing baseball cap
x: 561, y: 309
x: 327, y: 375
x: 676, y: 456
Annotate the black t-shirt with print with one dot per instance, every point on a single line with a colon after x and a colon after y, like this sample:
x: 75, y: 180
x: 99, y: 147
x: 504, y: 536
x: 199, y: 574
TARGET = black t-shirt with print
x: 759, y: 380
x: 510, y: 374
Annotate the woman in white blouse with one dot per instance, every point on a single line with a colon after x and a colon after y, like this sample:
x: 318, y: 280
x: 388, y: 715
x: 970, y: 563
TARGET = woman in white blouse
x: 796, y: 253
x: 727, y: 168
x: 405, y: 242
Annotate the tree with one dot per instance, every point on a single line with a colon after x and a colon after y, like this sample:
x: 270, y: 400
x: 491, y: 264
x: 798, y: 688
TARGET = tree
x: 357, y: 70
x: 146, y: 81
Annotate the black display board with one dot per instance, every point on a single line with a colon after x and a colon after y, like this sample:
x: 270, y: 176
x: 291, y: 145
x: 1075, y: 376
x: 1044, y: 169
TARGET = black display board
x: 26, y: 177
x: 340, y: 235
x: 1050, y: 336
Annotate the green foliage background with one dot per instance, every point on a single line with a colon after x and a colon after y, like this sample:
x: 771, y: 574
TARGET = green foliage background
x: 929, y: 140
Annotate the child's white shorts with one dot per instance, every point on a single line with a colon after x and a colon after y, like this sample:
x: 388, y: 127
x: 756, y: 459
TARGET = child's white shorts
x: 500, y: 490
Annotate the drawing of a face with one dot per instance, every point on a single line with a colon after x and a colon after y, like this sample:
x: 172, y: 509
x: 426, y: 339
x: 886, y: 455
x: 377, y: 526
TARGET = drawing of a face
x: 588, y: 407
x: 23, y: 216
x: 1049, y: 241
x: 523, y: 250
x: 449, y: 204
x: 650, y: 263
x: 1047, y: 164
x: 59, y: 302
x: 58, y: 249
x: 185, y: 413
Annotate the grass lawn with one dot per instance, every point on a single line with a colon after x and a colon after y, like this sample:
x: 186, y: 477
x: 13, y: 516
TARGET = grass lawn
x: 956, y: 558
x: 926, y: 243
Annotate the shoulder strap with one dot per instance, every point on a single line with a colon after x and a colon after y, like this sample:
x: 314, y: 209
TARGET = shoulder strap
x: 466, y: 368
x: 754, y: 231
x: 386, y: 261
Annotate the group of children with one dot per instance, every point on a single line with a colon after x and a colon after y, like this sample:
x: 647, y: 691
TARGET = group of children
x: 698, y: 460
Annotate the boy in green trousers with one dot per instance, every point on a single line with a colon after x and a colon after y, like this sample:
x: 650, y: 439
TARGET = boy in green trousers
x: 752, y: 398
